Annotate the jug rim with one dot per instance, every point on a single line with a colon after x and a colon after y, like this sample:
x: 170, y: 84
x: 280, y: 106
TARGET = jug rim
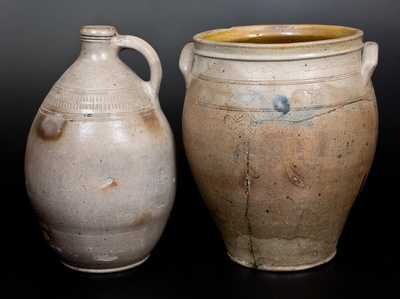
x: 97, y: 32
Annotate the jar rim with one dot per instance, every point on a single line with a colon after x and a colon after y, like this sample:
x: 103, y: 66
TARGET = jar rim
x: 315, y: 33
x: 256, y: 42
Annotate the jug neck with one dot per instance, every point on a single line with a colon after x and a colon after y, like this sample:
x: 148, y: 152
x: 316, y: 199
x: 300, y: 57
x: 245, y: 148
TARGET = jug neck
x: 96, y: 42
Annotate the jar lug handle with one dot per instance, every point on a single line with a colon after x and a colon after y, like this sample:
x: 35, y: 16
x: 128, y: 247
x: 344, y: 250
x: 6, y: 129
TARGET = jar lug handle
x: 186, y: 62
x: 369, y: 61
x: 140, y: 45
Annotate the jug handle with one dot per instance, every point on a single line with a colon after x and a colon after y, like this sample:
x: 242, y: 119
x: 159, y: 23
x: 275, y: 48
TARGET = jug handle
x: 138, y: 44
x: 186, y: 62
x: 369, y: 61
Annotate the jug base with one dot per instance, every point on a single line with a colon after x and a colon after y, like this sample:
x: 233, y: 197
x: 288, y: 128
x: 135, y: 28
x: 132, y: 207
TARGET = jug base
x: 267, y: 267
x: 106, y: 270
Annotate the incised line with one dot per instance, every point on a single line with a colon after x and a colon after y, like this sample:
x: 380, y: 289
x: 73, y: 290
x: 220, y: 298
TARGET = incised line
x: 300, y: 109
x: 277, y: 82
x: 282, y: 117
x: 327, y: 112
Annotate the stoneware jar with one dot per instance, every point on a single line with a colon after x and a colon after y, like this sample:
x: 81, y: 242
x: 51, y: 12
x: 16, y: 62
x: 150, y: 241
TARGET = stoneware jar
x: 100, y: 162
x: 280, y: 126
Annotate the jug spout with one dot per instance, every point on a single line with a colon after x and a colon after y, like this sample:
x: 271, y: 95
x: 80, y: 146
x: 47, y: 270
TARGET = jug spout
x: 97, y: 32
x: 96, y: 42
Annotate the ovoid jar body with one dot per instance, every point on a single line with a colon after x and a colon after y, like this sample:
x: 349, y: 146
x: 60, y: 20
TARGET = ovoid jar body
x: 280, y: 126
x: 100, y: 164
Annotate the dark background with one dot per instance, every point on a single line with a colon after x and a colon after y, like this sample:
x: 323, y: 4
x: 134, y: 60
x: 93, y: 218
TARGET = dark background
x: 40, y: 39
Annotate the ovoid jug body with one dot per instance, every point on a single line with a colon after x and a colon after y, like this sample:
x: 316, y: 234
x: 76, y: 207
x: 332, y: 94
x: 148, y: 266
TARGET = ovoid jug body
x: 280, y: 125
x: 100, y: 162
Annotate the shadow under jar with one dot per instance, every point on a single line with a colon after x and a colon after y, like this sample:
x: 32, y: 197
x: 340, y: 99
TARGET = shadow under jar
x: 280, y: 126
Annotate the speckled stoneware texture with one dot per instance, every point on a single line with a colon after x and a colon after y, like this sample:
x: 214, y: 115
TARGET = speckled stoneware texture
x: 280, y: 126
x: 100, y: 162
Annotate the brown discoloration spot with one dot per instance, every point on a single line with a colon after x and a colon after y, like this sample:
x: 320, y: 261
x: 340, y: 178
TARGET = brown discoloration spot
x: 50, y: 127
x: 111, y: 183
x: 144, y: 218
x: 294, y: 177
x: 151, y: 121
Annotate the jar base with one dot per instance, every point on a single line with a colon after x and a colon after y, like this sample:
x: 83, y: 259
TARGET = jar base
x: 282, y: 268
x: 106, y: 270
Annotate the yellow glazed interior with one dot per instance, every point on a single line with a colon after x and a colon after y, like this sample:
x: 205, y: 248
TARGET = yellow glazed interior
x: 279, y: 34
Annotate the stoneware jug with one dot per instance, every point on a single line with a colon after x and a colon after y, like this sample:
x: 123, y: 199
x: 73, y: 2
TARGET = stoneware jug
x: 280, y: 126
x: 100, y: 162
